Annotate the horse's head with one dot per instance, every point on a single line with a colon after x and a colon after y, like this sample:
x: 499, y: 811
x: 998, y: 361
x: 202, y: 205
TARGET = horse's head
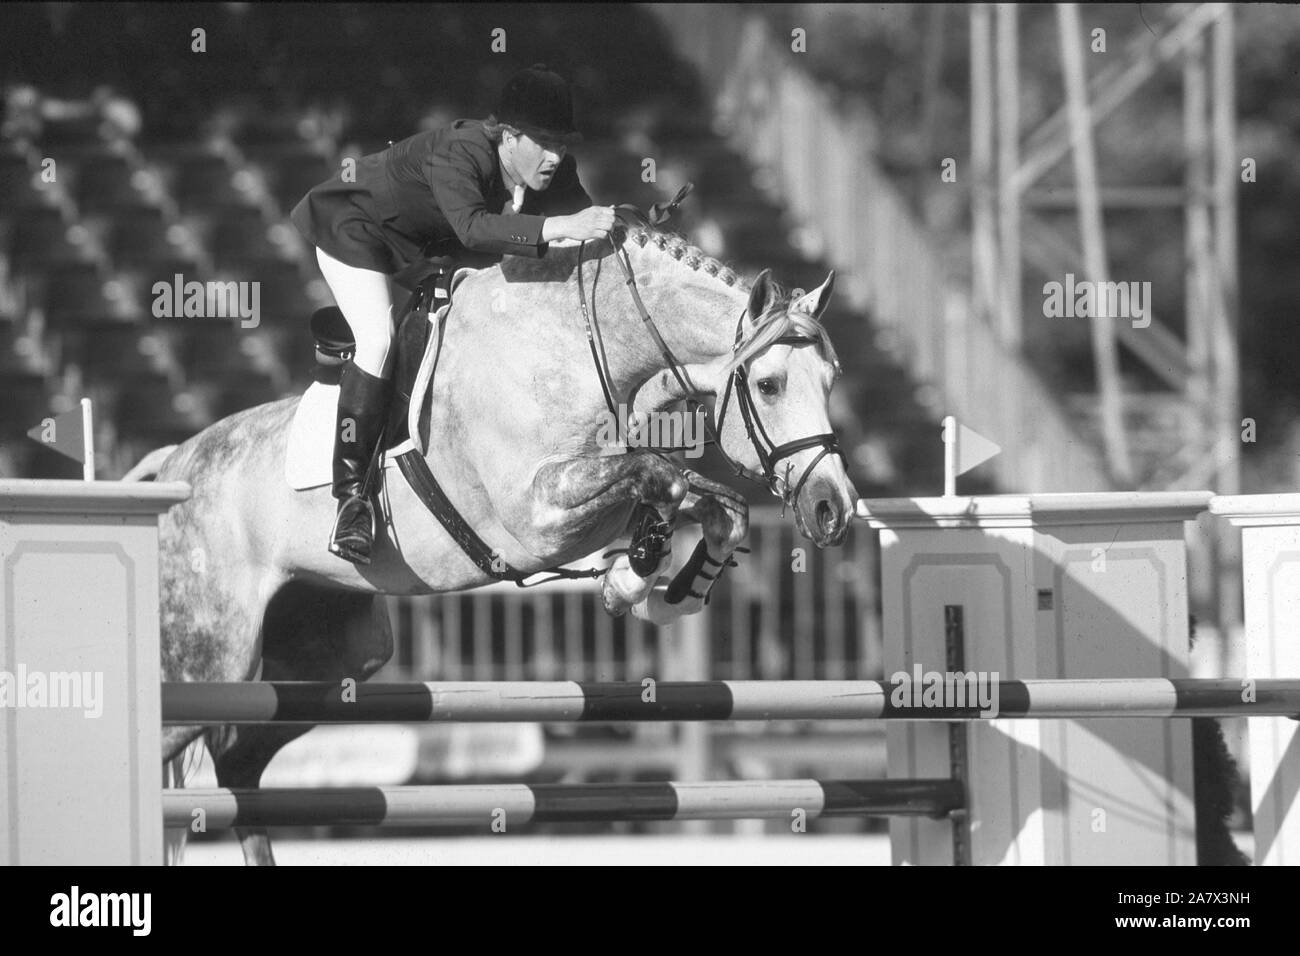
x: 773, y: 409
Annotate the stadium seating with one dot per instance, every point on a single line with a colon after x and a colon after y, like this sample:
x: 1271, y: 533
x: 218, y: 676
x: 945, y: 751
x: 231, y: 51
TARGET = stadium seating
x: 74, y: 296
x: 111, y: 356
x: 16, y: 350
x: 104, y: 179
x: 190, y: 165
x: 291, y: 169
x: 200, y: 178
x: 143, y: 237
x: 43, y: 238
x: 19, y: 187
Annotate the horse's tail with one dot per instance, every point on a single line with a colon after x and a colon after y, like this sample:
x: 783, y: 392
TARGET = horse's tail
x: 150, y: 465
x: 174, y: 837
x: 175, y: 772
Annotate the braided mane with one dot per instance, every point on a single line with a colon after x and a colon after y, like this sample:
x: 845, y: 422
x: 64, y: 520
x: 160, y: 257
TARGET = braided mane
x: 676, y: 246
x: 775, y: 323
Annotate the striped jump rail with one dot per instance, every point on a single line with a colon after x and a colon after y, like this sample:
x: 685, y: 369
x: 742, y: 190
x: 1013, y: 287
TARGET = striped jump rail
x: 560, y: 803
x: 317, y: 702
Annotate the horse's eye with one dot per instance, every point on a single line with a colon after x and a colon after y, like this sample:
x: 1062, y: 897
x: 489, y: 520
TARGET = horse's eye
x: 767, y: 386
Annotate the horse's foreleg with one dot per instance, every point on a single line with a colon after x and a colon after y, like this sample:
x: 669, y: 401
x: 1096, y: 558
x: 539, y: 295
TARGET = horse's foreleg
x: 573, y: 500
x: 724, y: 518
x: 239, y: 755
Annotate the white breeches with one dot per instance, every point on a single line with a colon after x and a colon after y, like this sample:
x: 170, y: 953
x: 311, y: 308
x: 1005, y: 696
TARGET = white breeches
x: 364, y: 298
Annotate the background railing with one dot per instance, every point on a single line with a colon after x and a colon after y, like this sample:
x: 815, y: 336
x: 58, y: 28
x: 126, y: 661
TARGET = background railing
x: 787, y: 612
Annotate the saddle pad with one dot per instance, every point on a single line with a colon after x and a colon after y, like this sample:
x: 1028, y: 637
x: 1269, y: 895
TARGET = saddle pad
x: 309, y: 459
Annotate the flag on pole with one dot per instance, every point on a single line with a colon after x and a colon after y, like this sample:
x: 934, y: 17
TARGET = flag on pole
x: 964, y: 449
x: 70, y: 434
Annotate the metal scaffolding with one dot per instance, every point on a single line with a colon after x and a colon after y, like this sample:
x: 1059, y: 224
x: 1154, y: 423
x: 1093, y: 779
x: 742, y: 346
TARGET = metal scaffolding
x: 1200, y: 368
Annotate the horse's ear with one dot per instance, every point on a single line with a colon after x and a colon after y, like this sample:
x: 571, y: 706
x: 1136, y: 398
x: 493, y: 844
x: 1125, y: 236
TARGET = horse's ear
x: 762, y: 295
x: 814, y: 303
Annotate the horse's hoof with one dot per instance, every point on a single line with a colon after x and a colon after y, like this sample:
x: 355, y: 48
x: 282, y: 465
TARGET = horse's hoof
x: 614, y: 603
x: 649, y: 548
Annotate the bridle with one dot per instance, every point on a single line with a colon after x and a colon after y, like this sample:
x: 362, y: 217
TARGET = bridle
x: 770, y: 454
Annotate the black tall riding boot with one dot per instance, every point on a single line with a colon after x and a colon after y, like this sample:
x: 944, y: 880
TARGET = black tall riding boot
x: 363, y: 406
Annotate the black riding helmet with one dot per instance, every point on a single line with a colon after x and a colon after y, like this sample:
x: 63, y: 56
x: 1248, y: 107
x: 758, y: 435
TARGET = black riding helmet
x: 539, y: 103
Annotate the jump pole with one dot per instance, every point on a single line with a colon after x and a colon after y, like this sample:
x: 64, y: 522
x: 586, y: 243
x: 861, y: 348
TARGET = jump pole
x: 505, y: 807
x: 333, y: 702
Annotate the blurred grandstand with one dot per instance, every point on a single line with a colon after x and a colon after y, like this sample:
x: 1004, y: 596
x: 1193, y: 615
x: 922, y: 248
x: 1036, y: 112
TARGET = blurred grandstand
x: 127, y: 158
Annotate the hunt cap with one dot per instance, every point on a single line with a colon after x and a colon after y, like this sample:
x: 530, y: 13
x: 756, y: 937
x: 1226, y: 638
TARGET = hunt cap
x: 538, y: 101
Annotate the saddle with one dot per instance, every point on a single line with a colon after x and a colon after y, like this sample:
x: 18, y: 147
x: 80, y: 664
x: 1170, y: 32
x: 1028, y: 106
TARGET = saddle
x: 310, y: 450
x: 335, y: 344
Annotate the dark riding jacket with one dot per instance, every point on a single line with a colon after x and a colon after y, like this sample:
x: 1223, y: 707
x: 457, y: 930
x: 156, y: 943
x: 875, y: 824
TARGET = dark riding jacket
x: 437, y: 193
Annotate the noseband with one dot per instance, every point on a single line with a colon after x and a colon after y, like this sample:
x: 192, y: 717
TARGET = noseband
x: 769, y: 453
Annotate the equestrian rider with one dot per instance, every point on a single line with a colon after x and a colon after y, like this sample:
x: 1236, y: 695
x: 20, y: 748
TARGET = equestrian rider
x: 500, y: 186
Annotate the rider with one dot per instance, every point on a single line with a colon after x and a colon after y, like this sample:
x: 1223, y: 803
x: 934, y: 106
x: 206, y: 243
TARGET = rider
x: 504, y: 185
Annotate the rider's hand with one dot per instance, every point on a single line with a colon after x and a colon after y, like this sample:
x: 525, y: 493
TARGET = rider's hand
x: 594, y: 222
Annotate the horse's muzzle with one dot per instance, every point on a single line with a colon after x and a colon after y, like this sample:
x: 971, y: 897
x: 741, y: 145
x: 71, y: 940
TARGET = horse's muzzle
x: 824, y: 509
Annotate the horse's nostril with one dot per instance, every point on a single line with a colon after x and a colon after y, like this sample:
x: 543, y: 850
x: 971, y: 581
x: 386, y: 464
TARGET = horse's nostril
x: 825, y: 517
